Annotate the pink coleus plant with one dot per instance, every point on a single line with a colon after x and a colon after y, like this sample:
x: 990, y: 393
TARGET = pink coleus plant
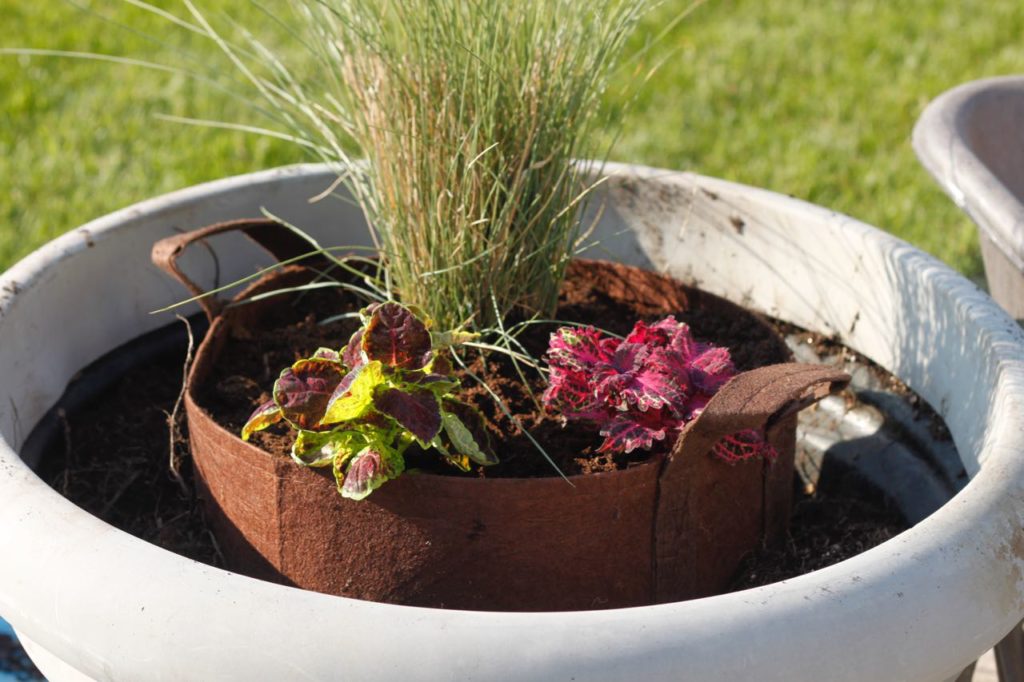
x: 643, y: 389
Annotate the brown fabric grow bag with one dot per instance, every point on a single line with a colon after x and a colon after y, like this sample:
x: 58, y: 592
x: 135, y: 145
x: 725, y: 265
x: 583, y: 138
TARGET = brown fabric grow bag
x: 671, y: 528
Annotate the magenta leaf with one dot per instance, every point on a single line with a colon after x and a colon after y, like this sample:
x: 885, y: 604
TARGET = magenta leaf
x: 710, y: 370
x: 629, y: 431
x: 418, y: 411
x: 695, y: 405
x: 652, y: 388
x: 579, y: 348
x: 397, y: 338
x: 659, y: 334
x: 642, y: 390
x: 634, y: 379
x: 744, y: 445
x: 303, y: 391
x: 573, y: 394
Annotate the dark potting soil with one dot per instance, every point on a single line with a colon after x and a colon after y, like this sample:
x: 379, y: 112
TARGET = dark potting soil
x: 113, y: 460
x: 252, y: 359
x: 841, y: 518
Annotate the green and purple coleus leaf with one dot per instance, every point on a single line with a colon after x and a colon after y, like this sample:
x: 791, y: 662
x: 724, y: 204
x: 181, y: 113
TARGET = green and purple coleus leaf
x: 359, y: 409
x: 456, y: 337
x: 464, y: 434
x: 352, y: 355
x: 438, y: 384
x: 465, y: 431
x: 326, y: 354
x: 353, y: 396
x: 417, y: 411
x: 326, y: 448
x: 369, y: 469
x: 396, y: 337
x: 264, y: 416
x: 304, y: 390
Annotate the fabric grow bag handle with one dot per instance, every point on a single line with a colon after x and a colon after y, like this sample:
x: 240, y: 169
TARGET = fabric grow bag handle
x: 269, y: 235
x: 764, y: 398
x: 757, y: 399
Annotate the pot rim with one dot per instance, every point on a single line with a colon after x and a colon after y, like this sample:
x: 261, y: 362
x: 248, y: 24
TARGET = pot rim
x: 971, y: 551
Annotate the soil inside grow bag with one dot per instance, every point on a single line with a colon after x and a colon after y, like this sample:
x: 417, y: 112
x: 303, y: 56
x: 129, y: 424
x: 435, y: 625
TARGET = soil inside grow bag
x: 110, y: 454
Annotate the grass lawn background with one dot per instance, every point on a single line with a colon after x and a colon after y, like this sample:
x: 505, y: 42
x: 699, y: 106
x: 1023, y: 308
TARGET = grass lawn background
x: 815, y: 99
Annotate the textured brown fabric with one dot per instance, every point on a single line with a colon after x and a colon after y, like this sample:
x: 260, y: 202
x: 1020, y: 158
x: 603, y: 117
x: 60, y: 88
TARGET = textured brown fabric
x: 703, y: 524
x: 667, y: 529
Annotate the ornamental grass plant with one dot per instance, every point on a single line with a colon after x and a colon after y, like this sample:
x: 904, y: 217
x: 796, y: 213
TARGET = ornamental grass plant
x: 466, y: 117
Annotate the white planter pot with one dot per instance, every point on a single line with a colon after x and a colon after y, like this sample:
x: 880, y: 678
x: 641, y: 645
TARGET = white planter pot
x: 971, y: 139
x: 91, y: 602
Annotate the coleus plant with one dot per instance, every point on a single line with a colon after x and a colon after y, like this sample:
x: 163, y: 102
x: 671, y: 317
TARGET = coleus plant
x: 359, y: 409
x: 644, y: 389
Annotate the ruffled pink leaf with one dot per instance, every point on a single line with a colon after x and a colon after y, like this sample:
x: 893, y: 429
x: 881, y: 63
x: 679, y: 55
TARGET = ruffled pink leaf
x: 694, y: 406
x: 636, y: 378
x: 659, y: 334
x: 712, y: 368
x: 579, y: 348
x: 571, y: 393
x: 744, y: 445
x: 629, y: 431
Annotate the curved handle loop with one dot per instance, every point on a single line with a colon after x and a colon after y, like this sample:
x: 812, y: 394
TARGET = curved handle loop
x: 758, y: 399
x: 271, y: 236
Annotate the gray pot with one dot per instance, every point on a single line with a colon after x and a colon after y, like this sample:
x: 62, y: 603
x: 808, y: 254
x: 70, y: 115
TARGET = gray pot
x: 971, y: 139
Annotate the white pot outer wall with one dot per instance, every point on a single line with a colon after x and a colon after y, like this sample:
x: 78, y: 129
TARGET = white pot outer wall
x: 92, y: 602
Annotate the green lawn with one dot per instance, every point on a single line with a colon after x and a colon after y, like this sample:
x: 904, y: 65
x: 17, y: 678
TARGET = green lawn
x: 812, y: 99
